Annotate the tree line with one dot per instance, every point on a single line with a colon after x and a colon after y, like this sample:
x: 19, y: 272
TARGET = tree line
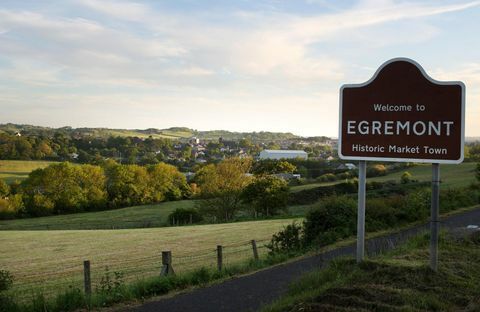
x: 225, y: 189
x: 69, y: 188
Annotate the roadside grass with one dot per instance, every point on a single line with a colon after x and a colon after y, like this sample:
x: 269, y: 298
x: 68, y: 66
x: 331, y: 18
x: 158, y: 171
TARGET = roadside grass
x: 400, y: 280
x: 452, y: 176
x: 73, y: 298
x: 12, y: 170
x: 144, y: 216
x: 48, y: 261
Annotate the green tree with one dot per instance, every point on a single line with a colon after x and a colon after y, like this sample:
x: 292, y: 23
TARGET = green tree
x: 267, y: 195
x: 64, y: 188
x: 273, y: 166
x: 167, y: 183
x: 127, y: 185
x: 221, y: 187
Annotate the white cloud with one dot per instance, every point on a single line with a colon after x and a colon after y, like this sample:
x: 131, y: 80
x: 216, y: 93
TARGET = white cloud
x: 210, y: 63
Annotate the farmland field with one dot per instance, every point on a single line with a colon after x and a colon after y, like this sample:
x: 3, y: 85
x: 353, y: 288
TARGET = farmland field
x: 50, y: 260
x: 451, y: 176
x: 124, y: 218
x: 11, y: 170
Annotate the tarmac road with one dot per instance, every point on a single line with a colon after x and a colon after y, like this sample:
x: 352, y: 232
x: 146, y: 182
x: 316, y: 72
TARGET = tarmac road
x: 251, y: 292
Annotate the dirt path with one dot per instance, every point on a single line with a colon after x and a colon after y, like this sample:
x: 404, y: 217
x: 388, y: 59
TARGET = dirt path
x: 251, y: 292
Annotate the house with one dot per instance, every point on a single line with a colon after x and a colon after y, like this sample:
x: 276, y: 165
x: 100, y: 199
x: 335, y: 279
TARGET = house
x: 189, y: 175
x: 283, y: 154
x: 348, y: 166
x: 18, y: 134
x: 288, y: 176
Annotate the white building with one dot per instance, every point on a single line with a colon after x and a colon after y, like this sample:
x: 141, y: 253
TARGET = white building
x: 283, y: 154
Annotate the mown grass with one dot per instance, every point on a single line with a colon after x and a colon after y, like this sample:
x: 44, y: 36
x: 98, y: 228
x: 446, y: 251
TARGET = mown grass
x: 144, y: 216
x: 12, y: 170
x: 52, y: 260
x: 73, y: 298
x: 397, y: 281
x: 452, y: 176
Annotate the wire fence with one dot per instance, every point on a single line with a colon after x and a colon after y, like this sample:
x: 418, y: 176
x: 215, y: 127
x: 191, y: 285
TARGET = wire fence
x: 57, y: 276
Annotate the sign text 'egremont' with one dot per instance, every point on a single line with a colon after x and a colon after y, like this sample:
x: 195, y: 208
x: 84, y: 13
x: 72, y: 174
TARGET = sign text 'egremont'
x: 401, y: 114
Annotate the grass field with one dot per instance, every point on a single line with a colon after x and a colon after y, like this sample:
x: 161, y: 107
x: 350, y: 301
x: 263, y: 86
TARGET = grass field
x: 11, y: 170
x: 50, y: 260
x: 451, y: 175
x: 131, y: 217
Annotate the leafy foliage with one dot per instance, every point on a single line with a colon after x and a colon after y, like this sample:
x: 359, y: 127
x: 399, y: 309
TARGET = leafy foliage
x: 221, y: 187
x: 184, y: 216
x: 266, y: 195
x: 406, y: 177
x: 287, y: 240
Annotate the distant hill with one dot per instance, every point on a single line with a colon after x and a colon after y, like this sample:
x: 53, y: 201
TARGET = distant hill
x: 176, y: 133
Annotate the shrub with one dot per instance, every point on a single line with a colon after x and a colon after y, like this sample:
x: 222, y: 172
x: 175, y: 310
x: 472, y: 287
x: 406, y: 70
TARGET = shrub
x: 406, y: 177
x: 452, y: 199
x: 376, y: 171
x: 287, y: 240
x: 416, y: 206
x: 334, y: 218
x: 6, y: 280
x: 184, y: 216
x: 328, y: 177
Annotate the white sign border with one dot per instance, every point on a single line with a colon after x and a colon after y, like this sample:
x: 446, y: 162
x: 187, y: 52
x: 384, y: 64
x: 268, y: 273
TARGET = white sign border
x: 391, y: 159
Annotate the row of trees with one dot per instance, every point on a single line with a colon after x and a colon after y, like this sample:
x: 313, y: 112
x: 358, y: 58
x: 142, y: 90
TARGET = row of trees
x: 68, y: 188
x: 226, y: 189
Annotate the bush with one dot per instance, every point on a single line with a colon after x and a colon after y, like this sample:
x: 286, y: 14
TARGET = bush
x: 452, y: 199
x: 334, y: 218
x: 287, y: 240
x: 376, y: 171
x: 183, y: 216
x: 406, y: 177
x: 416, y: 206
x: 6, y: 280
x: 328, y: 177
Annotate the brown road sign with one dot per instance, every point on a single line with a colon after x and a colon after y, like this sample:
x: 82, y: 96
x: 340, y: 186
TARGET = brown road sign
x: 401, y: 114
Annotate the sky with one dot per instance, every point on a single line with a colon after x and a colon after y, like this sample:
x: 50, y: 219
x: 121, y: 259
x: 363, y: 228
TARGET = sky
x: 247, y: 65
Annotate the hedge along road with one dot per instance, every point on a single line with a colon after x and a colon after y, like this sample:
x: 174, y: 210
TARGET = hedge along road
x: 251, y: 292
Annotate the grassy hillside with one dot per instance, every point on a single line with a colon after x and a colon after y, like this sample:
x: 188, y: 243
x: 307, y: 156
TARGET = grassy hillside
x: 51, y: 259
x: 169, y: 133
x: 451, y: 175
x: 399, y: 281
x: 11, y: 170
x: 131, y: 217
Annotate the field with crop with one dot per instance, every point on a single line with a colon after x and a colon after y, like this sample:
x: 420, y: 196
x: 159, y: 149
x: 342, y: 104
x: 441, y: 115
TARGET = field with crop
x: 50, y: 260
x: 11, y: 170
x: 451, y: 175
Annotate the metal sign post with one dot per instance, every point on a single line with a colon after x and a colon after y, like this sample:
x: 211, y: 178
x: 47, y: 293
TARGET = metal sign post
x: 362, y: 177
x: 434, y: 218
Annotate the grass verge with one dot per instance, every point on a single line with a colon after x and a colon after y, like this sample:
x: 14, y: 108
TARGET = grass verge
x: 400, y: 280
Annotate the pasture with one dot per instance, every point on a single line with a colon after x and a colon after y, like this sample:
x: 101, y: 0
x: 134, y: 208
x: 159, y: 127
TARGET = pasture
x: 12, y: 170
x: 452, y: 176
x: 124, y: 218
x: 50, y: 260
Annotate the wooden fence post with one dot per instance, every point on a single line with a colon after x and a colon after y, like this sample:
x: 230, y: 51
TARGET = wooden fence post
x: 167, y: 268
x: 219, y: 257
x: 87, y: 281
x: 254, y: 248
